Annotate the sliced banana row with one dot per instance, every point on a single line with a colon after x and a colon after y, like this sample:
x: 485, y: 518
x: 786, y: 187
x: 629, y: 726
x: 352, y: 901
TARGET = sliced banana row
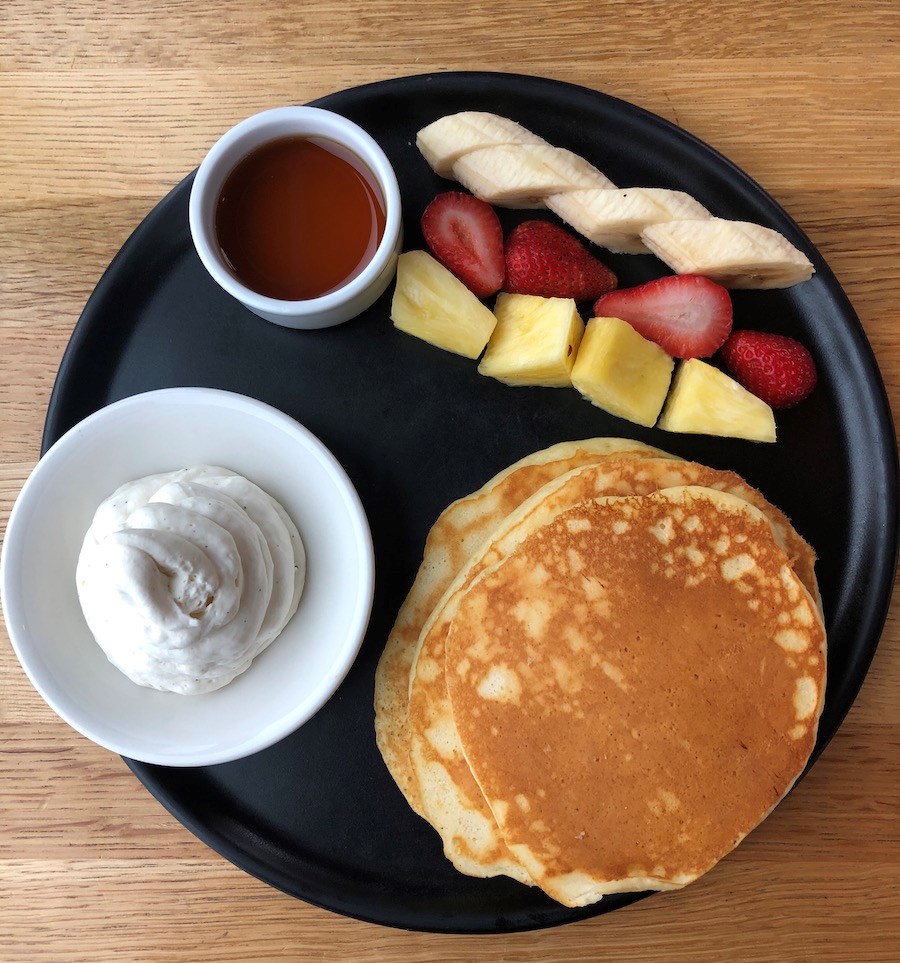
x: 507, y: 165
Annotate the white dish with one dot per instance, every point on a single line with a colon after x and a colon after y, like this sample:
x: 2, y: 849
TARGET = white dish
x: 357, y: 294
x: 160, y: 431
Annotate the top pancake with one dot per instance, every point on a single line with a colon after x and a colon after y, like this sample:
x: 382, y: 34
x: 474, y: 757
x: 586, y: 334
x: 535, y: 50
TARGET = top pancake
x: 455, y: 537
x: 449, y: 795
x: 635, y: 684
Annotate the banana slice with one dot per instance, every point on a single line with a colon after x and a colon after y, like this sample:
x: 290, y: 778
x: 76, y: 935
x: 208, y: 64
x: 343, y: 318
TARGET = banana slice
x: 574, y: 169
x: 443, y: 142
x: 614, y: 219
x: 734, y: 253
x: 522, y: 175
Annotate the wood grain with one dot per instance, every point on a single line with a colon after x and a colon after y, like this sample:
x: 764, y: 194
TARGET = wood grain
x: 104, y: 108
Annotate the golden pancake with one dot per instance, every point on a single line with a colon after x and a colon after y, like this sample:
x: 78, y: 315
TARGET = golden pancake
x: 457, y: 533
x: 635, y: 685
x: 449, y: 795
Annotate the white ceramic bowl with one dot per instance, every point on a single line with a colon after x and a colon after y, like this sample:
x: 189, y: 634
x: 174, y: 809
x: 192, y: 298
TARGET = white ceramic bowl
x: 358, y: 293
x: 161, y: 431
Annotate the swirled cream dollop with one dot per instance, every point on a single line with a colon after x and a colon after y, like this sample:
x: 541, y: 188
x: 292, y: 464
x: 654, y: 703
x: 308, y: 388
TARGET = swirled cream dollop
x: 185, y: 577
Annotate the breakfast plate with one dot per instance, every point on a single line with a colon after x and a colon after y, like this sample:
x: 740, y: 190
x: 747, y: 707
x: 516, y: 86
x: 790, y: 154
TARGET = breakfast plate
x: 317, y: 815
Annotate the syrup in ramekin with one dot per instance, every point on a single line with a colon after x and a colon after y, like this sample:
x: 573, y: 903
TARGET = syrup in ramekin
x: 299, y: 217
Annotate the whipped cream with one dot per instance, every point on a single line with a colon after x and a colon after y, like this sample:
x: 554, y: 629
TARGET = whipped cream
x: 185, y: 577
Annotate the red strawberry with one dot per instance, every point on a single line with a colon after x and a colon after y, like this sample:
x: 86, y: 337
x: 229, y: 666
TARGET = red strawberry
x: 466, y: 237
x: 774, y: 367
x: 687, y: 315
x: 543, y: 259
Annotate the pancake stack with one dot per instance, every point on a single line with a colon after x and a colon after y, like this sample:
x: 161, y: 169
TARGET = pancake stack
x: 609, y: 669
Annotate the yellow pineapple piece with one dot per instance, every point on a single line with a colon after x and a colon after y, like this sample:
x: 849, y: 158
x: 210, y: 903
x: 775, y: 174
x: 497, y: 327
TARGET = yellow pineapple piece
x: 432, y: 304
x: 706, y: 401
x: 618, y: 370
x: 535, y: 341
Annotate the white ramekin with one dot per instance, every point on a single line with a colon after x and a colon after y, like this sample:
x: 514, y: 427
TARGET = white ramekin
x: 358, y: 293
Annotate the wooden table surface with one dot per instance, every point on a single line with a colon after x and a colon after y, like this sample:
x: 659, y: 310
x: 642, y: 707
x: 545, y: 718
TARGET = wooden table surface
x: 104, y: 107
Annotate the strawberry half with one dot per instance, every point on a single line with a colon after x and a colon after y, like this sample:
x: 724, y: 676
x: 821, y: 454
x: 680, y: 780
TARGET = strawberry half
x: 687, y: 315
x: 465, y: 235
x: 543, y: 259
x: 775, y: 368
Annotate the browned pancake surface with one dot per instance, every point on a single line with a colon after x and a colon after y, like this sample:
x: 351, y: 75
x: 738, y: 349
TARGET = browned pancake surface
x: 459, y: 531
x: 635, y: 687
x: 449, y: 795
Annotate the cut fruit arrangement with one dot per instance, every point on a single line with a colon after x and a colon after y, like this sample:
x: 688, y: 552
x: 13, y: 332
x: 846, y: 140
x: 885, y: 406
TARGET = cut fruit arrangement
x: 536, y: 336
x: 504, y: 164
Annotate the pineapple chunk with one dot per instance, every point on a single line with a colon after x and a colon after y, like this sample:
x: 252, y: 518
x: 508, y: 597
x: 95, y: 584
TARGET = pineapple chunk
x: 432, y: 304
x: 621, y: 372
x: 706, y: 401
x: 535, y: 341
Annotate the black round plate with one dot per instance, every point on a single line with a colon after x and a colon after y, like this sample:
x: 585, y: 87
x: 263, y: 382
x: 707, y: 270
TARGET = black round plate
x: 318, y: 815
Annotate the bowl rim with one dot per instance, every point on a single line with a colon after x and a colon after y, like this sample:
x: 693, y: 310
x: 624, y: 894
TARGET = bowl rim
x: 256, y: 130
x: 28, y: 652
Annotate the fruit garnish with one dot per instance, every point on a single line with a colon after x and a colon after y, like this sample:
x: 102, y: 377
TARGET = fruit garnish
x: 621, y: 372
x: 614, y: 219
x: 448, y: 138
x: 431, y: 304
x: 503, y: 163
x: 535, y: 341
x: 465, y: 235
x: 544, y: 259
x: 687, y: 315
x: 734, y: 253
x: 705, y: 401
x: 523, y: 175
x: 776, y: 368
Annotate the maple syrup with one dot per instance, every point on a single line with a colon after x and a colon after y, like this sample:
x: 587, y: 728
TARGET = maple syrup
x: 299, y: 217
